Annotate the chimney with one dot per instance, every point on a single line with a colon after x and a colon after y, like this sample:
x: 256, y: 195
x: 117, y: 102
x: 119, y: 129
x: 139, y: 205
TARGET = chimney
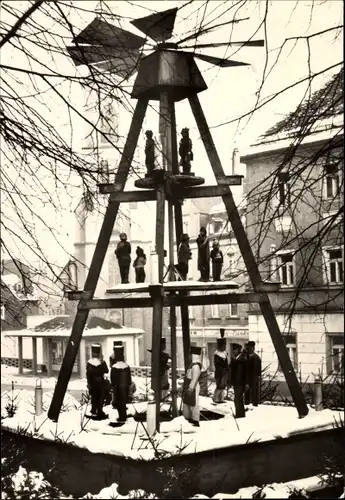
x: 235, y: 161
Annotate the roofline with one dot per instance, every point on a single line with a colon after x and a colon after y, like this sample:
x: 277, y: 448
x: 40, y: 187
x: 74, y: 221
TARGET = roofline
x: 314, y: 139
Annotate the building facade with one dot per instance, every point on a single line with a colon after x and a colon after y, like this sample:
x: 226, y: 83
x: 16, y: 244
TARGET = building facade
x: 295, y: 224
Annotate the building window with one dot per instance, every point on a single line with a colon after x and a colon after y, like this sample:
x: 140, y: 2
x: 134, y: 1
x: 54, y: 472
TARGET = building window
x: 191, y: 311
x: 216, y: 226
x: 286, y: 268
x: 291, y: 345
x: 185, y: 226
x: 2, y: 311
x: 284, y: 190
x: 335, y: 358
x: 331, y: 182
x: 232, y: 310
x: 215, y: 311
x: 334, y: 264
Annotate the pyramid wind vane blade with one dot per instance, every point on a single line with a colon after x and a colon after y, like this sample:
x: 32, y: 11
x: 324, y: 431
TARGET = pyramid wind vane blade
x: 218, y: 61
x: 158, y: 26
x: 249, y: 43
x: 99, y: 32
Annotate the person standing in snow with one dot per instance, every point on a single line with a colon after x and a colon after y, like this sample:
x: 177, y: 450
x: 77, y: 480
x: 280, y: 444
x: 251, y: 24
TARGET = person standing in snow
x: 123, y: 254
x: 96, y: 368
x: 251, y: 397
x: 221, y: 365
x: 238, y: 378
x: 191, y: 388
x: 139, y: 266
x: 121, y: 381
x: 217, y: 260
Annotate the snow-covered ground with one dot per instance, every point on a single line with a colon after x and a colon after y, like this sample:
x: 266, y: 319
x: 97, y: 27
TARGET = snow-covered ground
x: 175, y: 437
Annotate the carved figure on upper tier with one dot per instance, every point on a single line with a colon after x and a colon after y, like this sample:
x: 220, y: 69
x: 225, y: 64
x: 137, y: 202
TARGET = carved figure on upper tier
x: 150, y: 153
x: 185, y: 152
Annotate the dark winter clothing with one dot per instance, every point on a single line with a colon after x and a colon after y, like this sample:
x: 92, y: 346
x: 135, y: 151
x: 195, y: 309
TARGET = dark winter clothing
x: 184, y: 255
x: 203, y: 256
x: 238, y: 378
x: 139, y: 266
x: 123, y: 254
x: 254, y: 374
x: 217, y: 263
x: 121, y: 380
x: 221, y: 369
x: 95, y: 371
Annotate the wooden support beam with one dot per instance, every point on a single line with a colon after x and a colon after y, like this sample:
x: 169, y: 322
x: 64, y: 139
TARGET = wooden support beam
x: 249, y: 260
x: 157, y: 323
x: 151, y: 195
x: 202, y: 192
x: 34, y: 355
x: 78, y: 295
x: 128, y: 196
x: 97, y: 259
x: 178, y: 232
x: 179, y: 300
x: 20, y: 356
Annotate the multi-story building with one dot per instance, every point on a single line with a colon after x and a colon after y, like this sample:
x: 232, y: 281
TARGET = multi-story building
x: 295, y: 224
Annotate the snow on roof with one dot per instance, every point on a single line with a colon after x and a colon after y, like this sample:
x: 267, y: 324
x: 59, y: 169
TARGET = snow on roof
x: 283, y: 141
x: 61, y: 326
x: 93, y: 332
x: 65, y: 322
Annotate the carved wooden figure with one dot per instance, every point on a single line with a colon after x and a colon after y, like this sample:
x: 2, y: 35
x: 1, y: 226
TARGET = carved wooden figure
x: 123, y: 254
x: 185, y: 152
x: 150, y: 153
x: 203, y: 255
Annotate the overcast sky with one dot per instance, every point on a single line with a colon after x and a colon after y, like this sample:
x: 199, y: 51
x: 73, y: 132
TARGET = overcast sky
x: 231, y: 91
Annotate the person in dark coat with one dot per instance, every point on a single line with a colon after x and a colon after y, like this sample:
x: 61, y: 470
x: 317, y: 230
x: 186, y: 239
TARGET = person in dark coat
x: 121, y: 380
x: 238, y: 378
x: 217, y: 260
x: 139, y: 266
x: 221, y: 365
x: 96, y: 368
x: 184, y: 256
x: 123, y: 254
x: 203, y: 255
x: 251, y: 397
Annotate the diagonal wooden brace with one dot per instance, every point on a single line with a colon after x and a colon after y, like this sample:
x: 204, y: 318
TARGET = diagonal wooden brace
x: 97, y: 261
x: 249, y: 260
